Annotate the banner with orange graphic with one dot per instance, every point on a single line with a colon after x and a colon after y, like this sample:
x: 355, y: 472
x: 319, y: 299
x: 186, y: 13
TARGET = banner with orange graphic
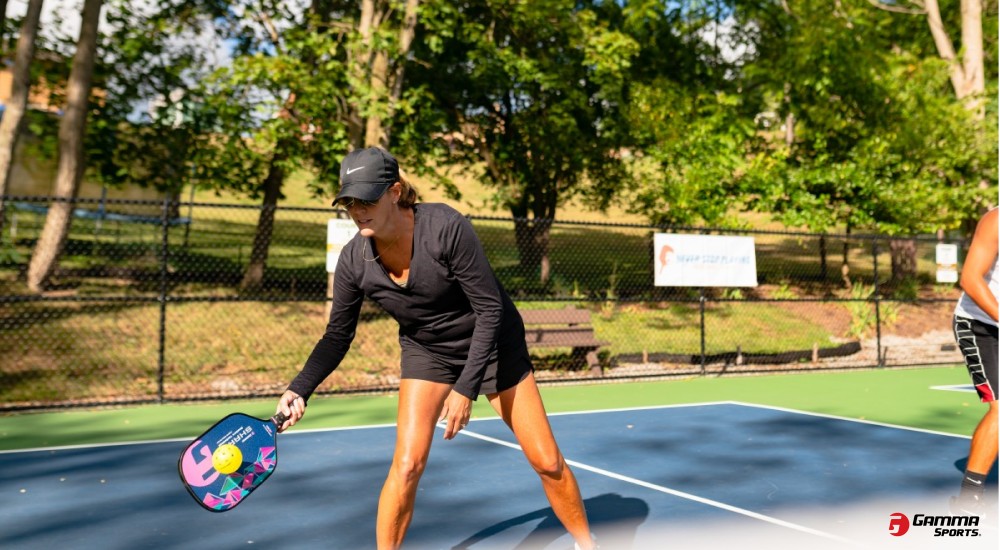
x: 704, y: 261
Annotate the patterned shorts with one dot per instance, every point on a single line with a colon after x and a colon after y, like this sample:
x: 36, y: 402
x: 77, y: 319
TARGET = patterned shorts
x: 978, y: 343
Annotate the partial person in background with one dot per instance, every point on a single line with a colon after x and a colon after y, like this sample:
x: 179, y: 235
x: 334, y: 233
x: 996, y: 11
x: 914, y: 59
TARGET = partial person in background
x: 459, y: 333
x: 975, y: 325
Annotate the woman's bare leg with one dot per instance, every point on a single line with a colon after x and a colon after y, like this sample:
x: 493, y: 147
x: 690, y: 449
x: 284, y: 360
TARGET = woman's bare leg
x: 983, y: 449
x: 522, y: 409
x: 420, y: 404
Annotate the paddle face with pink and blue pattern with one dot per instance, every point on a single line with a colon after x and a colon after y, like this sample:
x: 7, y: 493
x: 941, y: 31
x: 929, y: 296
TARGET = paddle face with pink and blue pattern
x: 222, y: 466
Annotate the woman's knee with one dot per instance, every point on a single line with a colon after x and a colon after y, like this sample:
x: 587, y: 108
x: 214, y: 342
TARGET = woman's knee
x: 548, y: 464
x: 408, y: 469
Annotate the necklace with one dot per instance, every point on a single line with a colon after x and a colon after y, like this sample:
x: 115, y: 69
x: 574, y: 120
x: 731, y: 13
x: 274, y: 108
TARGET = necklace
x: 365, y: 247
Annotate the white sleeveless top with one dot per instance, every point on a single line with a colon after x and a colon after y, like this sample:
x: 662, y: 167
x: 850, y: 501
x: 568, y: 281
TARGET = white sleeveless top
x: 967, y: 308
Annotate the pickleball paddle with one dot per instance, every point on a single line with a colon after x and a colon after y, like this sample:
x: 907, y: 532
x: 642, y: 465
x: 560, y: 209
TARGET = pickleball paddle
x: 222, y: 466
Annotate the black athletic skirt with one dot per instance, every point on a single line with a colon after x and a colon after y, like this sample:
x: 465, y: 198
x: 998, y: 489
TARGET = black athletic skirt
x: 510, y: 367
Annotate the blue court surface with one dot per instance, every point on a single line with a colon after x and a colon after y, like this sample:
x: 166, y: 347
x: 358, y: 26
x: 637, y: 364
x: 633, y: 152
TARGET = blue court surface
x: 697, y: 476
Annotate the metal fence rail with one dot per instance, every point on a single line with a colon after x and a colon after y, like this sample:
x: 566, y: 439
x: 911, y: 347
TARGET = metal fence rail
x: 147, y: 304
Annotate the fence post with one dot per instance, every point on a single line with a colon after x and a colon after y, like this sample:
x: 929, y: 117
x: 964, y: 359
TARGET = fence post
x: 162, y: 297
x: 701, y: 308
x: 878, y: 300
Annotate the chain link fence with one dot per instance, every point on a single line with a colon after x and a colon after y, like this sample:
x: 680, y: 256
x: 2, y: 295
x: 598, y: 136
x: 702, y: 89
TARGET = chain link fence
x: 151, y: 302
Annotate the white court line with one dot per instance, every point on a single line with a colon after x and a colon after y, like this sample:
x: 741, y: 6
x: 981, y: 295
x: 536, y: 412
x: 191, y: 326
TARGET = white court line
x: 486, y: 418
x: 956, y: 387
x: 857, y: 420
x: 298, y: 431
x: 646, y: 408
x: 179, y: 439
x: 677, y: 493
x: 758, y: 406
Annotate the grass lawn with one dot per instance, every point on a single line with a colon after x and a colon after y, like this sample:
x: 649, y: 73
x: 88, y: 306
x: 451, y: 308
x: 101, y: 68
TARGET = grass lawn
x: 97, y: 344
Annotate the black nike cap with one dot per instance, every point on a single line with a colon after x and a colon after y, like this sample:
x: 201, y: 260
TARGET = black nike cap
x: 365, y: 174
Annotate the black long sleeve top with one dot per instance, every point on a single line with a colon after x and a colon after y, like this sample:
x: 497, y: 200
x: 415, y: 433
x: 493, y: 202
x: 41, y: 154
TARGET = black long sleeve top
x: 452, y: 305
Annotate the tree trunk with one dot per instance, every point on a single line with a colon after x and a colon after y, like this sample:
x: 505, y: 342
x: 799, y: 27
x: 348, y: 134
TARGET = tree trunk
x: 967, y: 75
x: 360, y: 61
x: 13, y: 115
x: 904, y: 258
x: 253, y: 277
x: 69, y: 170
x: 532, y: 238
x: 375, y: 134
x: 845, y: 266
x: 3, y: 15
x: 789, y: 117
x: 973, y: 65
x: 387, y: 83
x: 382, y: 75
x: 406, y: 35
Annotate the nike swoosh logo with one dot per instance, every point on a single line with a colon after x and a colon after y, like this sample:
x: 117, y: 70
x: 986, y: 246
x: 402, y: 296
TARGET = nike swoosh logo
x: 352, y: 170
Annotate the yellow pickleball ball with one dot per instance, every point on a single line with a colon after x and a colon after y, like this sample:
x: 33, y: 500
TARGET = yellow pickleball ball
x: 227, y: 458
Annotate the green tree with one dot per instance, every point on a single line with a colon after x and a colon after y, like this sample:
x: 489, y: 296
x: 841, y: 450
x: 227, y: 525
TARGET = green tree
x: 968, y: 72
x: 687, y: 116
x: 873, y: 140
x: 333, y: 43
x: 302, y: 88
x: 530, y: 96
x: 151, y: 129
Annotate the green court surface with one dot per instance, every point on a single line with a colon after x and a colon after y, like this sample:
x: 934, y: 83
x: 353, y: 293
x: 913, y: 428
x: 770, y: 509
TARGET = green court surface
x: 905, y: 397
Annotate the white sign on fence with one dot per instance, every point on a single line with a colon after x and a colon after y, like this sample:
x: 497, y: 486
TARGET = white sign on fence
x: 947, y: 263
x: 338, y: 233
x: 704, y: 261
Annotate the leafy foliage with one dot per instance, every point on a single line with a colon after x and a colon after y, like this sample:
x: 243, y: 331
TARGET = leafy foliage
x: 825, y: 116
x: 532, y: 95
x: 879, y: 140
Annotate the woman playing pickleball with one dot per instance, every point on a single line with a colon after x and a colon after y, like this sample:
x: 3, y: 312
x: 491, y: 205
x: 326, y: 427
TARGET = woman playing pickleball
x: 459, y: 333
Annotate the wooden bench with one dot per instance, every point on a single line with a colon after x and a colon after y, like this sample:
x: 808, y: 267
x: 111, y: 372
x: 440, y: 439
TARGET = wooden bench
x: 564, y: 328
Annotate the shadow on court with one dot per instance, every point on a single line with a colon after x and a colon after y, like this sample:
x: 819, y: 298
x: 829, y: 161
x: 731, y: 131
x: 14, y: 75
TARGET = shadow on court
x: 991, y: 479
x: 625, y: 514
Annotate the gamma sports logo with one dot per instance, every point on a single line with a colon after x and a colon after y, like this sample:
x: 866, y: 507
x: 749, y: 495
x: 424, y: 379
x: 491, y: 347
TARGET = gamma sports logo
x: 944, y: 526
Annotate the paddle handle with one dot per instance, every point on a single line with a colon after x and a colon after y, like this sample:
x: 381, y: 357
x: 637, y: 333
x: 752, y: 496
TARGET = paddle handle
x: 279, y: 419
